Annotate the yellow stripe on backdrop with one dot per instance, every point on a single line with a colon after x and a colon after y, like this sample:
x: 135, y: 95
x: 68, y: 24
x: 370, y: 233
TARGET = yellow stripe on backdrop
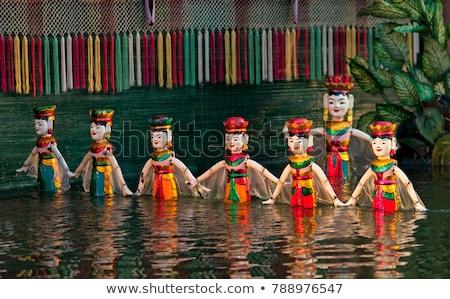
x: 169, y: 79
x: 25, y: 70
x: 233, y: 58
x: 288, y: 55
x: 160, y: 60
x: 226, y: 38
x: 98, y: 79
x: 409, y: 37
x: 17, y: 66
x: 294, y: 52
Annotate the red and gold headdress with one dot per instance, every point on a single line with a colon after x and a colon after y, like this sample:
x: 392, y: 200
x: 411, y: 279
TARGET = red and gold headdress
x: 299, y: 126
x: 235, y: 124
x: 46, y: 112
x: 339, y: 84
x: 160, y: 122
x: 102, y: 116
x: 382, y: 129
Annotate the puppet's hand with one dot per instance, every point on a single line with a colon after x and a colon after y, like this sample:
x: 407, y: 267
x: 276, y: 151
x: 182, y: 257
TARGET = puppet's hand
x: 269, y: 201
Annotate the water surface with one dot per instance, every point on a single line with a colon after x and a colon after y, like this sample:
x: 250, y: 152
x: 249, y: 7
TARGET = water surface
x: 72, y: 235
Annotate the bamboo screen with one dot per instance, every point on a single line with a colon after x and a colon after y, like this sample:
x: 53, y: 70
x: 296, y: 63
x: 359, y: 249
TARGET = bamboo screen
x: 50, y: 47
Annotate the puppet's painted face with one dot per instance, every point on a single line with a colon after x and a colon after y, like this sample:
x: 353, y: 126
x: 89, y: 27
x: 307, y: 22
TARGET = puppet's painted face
x: 98, y: 131
x: 382, y: 147
x: 41, y: 126
x: 298, y: 145
x: 338, y: 105
x: 234, y: 142
x: 159, y: 140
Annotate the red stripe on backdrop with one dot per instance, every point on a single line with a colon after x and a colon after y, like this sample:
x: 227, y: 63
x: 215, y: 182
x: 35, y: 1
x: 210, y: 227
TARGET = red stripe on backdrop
x: 220, y: 56
x: 307, y: 71
x: 152, y: 60
x: 82, y: 62
x: 105, y: 64
x: 245, y: 54
x: 145, y: 58
x: 76, y: 62
x: 10, y: 63
x: 212, y: 54
x: 342, y: 51
x: 180, y: 57
x: 3, y: 62
x: 276, y: 55
x: 358, y: 41
x: 111, y: 62
x: 336, y: 50
x: 282, y: 62
x: 174, y: 58
x: 297, y: 42
x: 238, y: 56
x: 33, y: 64
x: 365, y: 44
x: 40, y: 68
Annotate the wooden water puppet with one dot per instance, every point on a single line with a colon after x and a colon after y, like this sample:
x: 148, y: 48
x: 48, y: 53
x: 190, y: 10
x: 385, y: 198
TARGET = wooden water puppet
x: 347, y: 149
x: 101, y: 173
x: 170, y: 175
x: 384, y: 186
x: 45, y: 162
x: 302, y: 182
x: 237, y: 177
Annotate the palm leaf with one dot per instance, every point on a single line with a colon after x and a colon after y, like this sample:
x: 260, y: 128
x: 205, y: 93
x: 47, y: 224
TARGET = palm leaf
x: 405, y: 89
x: 428, y: 69
x: 430, y: 124
x: 436, y: 56
x: 385, y: 59
x: 393, y: 113
x: 383, y: 9
x: 415, y: 9
x: 360, y: 71
x: 383, y: 76
x: 365, y: 120
x: 439, y: 32
x: 395, y: 43
x: 425, y: 91
x: 447, y: 83
x: 448, y: 29
x: 410, y: 28
x: 419, y: 76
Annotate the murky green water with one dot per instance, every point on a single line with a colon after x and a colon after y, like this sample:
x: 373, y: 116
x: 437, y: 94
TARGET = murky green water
x: 74, y: 236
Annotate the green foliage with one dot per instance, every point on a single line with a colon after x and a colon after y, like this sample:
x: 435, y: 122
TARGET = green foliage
x: 430, y: 124
x: 393, y: 113
x: 441, y: 151
x: 416, y: 86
